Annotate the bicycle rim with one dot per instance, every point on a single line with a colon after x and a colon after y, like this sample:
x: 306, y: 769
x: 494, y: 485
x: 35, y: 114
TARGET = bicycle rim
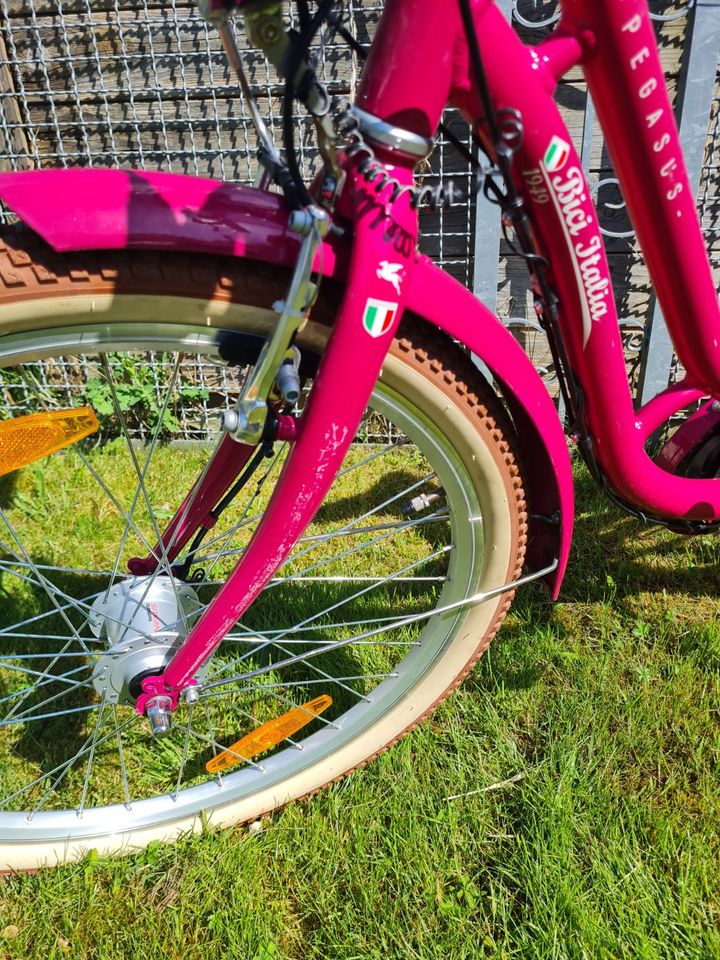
x: 106, y: 773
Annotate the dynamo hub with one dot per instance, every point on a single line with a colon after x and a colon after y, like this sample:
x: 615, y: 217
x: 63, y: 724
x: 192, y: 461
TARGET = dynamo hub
x: 144, y: 621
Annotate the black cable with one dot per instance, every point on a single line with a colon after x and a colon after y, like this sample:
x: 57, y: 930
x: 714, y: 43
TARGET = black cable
x: 479, y: 70
x: 249, y: 470
x: 299, y: 51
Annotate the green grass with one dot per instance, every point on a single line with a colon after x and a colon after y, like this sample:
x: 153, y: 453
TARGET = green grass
x: 585, y: 750
x: 64, y: 519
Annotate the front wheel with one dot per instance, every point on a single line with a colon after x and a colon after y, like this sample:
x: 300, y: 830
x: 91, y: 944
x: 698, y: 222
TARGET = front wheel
x: 427, y: 511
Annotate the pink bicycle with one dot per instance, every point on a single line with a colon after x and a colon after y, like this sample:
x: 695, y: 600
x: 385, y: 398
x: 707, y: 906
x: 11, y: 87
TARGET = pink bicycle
x: 218, y: 639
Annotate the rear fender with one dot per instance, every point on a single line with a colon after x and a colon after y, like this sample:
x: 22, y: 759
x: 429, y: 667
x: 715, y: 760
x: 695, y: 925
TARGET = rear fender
x: 115, y: 209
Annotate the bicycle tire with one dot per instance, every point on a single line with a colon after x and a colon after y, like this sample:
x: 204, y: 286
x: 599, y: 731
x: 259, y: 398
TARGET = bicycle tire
x: 51, y: 304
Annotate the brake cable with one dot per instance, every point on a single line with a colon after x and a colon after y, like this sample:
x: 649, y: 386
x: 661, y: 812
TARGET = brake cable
x: 299, y: 50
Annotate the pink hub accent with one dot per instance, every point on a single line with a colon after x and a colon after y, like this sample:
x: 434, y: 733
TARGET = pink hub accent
x: 287, y: 428
x: 155, y: 687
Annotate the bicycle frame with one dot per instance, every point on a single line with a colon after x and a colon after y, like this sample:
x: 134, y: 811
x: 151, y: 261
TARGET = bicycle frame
x: 615, y: 44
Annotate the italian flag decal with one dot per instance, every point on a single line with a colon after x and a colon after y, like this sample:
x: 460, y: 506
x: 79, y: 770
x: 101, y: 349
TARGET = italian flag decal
x: 378, y: 317
x: 556, y: 155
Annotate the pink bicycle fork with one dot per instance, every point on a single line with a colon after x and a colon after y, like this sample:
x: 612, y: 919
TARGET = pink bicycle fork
x: 383, y: 231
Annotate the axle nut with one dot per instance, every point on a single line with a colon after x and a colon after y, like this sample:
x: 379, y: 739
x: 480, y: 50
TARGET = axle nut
x: 159, y: 713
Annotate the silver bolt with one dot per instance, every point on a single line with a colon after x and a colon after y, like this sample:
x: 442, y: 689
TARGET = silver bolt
x: 230, y: 421
x: 301, y: 221
x: 159, y: 714
x: 191, y: 694
x: 715, y: 406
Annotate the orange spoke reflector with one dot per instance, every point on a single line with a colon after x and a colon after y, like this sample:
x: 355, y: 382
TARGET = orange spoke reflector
x: 269, y: 734
x: 26, y: 439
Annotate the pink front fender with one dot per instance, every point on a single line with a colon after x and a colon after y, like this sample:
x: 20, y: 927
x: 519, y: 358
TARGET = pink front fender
x: 99, y: 209
x: 546, y: 461
x: 116, y: 209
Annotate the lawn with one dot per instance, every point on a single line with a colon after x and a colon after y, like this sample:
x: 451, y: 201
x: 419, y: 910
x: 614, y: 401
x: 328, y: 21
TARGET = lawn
x: 564, y: 802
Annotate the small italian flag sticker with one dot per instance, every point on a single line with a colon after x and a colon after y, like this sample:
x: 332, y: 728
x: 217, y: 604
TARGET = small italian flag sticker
x: 556, y: 155
x: 378, y: 317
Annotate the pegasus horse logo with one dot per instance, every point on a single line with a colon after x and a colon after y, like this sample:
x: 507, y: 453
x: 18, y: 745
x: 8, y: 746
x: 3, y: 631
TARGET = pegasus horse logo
x: 392, y: 273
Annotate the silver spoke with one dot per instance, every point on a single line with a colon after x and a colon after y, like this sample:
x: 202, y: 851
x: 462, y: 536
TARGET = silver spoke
x: 218, y: 746
x: 27, y: 715
x: 311, y: 666
x: 373, y: 456
x: 84, y: 608
x: 47, y: 716
x: 251, y: 638
x: 39, y: 656
x: 116, y: 503
x: 6, y: 631
x: 49, y: 588
x: 352, y: 551
x: 349, y: 530
x: 164, y: 561
x: 65, y: 766
x: 141, y: 479
x: 91, y: 755
x: 269, y: 640
x: 259, y: 687
x: 363, y: 516
x: 28, y: 690
x: 71, y: 601
x: 406, y: 621
x: 55, y: 569
x: 242, y: 521
x: 52, y: 678
x: 36, y: 686
x: 121, y: 757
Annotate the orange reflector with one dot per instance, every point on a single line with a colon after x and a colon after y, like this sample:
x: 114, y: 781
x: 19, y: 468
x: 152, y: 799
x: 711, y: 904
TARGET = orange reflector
x: 26, y: 439
x: 269, y: 734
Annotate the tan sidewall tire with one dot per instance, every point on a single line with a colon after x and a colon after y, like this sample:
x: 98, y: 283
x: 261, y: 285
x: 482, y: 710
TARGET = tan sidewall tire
x: 436, y: 378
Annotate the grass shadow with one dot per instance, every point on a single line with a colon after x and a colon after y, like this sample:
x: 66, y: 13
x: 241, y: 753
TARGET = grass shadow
x: 55, y: 739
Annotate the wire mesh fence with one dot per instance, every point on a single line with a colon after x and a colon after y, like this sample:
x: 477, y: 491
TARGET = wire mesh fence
x: 145, y: 84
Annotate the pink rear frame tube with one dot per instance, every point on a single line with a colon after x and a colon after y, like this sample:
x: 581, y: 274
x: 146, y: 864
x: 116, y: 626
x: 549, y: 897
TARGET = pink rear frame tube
x: 615, y: 43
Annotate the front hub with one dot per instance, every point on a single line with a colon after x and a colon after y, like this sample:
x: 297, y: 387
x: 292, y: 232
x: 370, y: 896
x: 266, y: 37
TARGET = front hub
x: 144, y: 620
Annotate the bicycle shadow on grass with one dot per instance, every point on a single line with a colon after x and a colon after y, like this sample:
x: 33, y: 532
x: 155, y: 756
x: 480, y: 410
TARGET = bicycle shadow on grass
x: 52, y: 739
x: 8, y: 488
x: 616, y: 555
x: 616, y: 563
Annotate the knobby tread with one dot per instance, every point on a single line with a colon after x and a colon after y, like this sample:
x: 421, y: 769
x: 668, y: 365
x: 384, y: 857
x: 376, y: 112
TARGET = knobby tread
x: 30, y: 269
